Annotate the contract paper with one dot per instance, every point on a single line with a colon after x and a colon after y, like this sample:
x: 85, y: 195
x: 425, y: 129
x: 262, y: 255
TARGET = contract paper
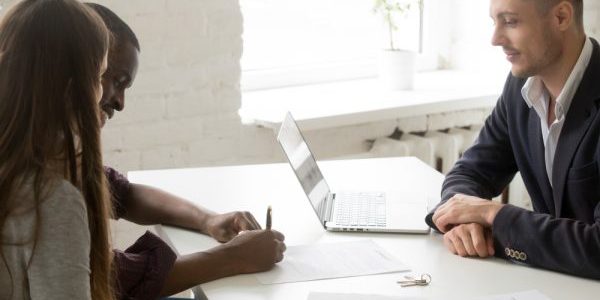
x: 526, y: 295
x: 332, y: 260
x: 339, y: 296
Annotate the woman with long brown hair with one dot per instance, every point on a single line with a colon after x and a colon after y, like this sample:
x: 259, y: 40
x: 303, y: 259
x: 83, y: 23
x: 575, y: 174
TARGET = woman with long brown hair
x: 54, y: 208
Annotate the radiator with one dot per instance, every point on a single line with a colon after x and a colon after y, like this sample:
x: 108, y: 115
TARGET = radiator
x: 441, y: 149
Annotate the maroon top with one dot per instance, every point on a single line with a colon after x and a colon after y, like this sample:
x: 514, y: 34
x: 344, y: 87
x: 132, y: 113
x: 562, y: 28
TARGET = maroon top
x: 143, y: 267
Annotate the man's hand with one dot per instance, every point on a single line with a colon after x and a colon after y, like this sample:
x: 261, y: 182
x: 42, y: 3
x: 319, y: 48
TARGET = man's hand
x: 470, y: 240
x: 254, y: 251
x: 224, y: 227
x: 463, y: 209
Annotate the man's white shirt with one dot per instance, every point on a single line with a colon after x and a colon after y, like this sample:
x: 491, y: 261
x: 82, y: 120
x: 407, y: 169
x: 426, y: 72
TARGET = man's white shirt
x: 536, y: 95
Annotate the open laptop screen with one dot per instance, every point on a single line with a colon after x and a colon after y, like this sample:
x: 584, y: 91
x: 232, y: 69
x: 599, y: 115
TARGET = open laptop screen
x: 303, y: 163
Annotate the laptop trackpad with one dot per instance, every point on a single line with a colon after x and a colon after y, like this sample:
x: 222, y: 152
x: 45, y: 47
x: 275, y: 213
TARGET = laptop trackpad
x: 406, y: 211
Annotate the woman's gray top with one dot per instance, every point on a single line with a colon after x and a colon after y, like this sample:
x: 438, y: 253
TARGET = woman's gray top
x: 59, y: 267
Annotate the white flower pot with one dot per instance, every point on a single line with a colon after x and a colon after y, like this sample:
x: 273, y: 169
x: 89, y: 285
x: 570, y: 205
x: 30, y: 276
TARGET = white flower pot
x: 397, y: 69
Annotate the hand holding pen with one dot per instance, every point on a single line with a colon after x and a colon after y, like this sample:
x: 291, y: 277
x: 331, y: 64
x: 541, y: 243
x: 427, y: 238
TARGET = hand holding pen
x: 256, y: 250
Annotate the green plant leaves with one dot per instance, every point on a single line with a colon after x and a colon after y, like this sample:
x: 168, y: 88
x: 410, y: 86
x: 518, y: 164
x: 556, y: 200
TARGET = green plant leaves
x: 391, y: 10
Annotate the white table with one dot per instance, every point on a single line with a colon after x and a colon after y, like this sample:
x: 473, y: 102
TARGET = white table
x: 253, y: 187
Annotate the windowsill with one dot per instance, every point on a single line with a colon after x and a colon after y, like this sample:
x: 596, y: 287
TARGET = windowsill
x: 363, y: 101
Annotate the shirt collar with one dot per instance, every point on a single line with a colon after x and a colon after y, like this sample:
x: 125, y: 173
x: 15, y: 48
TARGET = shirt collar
x: 563, y: 101
x: 534, y: 90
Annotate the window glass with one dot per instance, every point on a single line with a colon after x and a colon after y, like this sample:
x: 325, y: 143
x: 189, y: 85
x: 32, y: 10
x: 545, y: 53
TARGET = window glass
x: 288, y: 39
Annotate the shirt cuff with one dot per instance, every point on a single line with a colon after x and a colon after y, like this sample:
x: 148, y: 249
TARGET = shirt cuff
x: 143, y: 268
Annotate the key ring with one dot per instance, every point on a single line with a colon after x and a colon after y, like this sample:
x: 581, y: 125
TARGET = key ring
x: 426, y: 278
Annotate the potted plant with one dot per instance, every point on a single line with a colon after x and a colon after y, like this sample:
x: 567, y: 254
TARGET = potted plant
x: 396, y: 66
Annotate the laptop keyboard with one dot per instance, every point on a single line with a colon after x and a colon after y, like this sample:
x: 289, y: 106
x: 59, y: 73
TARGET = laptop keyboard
x: 360, y: 209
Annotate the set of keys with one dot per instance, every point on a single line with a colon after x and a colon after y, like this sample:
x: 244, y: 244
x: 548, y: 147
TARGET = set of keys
x: 411, y: 281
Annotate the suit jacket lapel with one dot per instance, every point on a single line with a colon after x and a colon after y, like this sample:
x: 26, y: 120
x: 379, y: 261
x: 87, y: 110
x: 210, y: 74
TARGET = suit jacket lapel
x: 577, y: 121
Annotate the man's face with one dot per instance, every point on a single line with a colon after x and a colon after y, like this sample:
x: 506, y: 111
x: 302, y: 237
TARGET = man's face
x: 528, y: 38
x: 121, y: 72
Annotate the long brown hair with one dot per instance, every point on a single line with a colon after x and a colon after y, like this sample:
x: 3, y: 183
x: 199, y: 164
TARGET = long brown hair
x: 51, y: 52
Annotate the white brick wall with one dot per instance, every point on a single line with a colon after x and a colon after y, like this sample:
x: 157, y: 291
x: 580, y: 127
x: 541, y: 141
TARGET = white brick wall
x: 591, y: 16
x: 182, y: 109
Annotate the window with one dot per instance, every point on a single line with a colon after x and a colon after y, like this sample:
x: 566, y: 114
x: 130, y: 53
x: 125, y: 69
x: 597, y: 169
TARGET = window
x: 291, y: 42
x: 455, y: 35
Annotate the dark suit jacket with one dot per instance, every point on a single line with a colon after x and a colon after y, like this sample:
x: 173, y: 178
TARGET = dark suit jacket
x: 563, y: 231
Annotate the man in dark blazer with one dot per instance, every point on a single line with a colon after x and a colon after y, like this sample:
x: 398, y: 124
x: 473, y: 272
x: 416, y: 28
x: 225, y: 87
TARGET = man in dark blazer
x: 545, y: 125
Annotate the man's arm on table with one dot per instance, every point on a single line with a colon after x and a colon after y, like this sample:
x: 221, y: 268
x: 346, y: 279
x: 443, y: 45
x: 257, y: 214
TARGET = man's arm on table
x: 559, y: 244
x: 150, y: 264
x: 148, y: 205
x: 485, y: 168
x: 250, y: 252
x: 538, y: 239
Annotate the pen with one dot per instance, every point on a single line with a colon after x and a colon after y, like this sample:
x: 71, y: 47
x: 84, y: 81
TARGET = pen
x: 269, y: 217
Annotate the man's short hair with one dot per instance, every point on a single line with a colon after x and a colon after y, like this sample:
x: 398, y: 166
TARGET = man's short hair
x: 545, y: 5
x: 120, y: 30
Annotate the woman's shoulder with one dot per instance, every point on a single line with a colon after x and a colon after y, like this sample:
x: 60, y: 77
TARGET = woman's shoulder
x: 60, y: 207
x: 55, y: 193
x: 64, y: 198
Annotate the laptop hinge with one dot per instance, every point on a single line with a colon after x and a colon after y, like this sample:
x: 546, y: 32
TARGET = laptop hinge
x: 329, y: 208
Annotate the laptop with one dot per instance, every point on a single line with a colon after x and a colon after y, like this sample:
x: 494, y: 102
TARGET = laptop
x: 372, y: 211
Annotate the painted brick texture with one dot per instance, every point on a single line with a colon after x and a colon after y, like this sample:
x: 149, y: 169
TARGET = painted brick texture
x: 182, y: 109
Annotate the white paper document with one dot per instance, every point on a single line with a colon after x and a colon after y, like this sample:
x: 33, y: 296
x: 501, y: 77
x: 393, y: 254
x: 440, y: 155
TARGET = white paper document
x: 333, y: 260
x: 526, y: 295
x: 338, y: 296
